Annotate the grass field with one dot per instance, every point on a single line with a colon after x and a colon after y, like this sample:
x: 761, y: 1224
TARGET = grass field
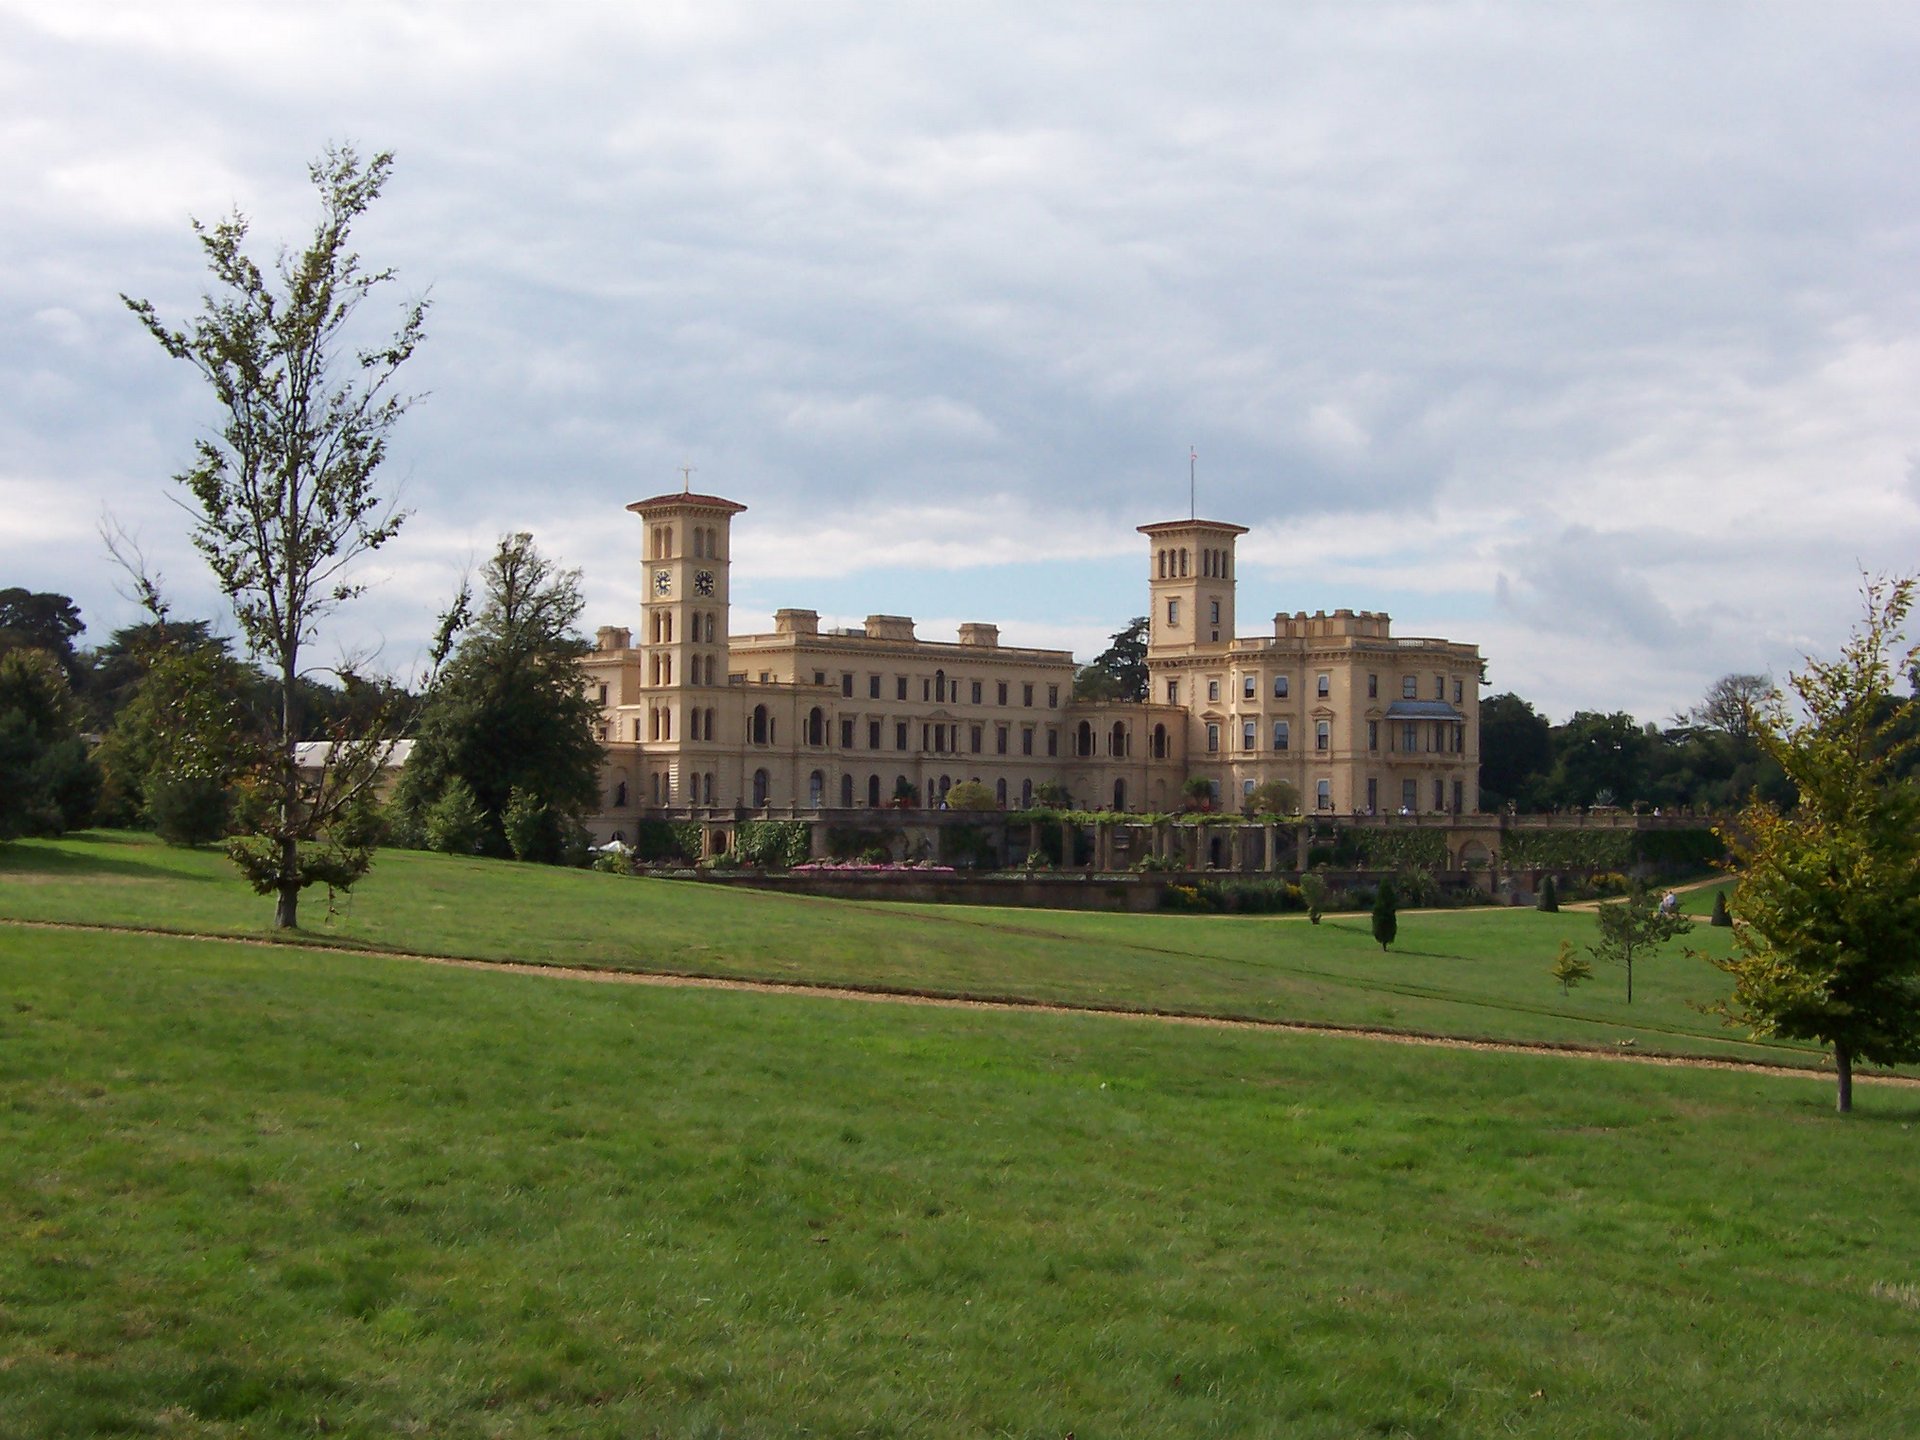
x: 1475, y: 973
x: 276, y: 1192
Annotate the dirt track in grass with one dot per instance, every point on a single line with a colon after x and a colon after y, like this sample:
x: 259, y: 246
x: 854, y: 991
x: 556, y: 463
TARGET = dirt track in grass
x: 884, y: 995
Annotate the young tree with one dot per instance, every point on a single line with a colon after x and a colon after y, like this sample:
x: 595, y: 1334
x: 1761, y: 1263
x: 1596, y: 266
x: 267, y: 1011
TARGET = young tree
x: 284, y: 492
x: 1826, y: 897
x: 509, y: 712
x: 1631, y: 927
x: 1569, y: 968
x: 1313, y: 889
x: 1386, y: 919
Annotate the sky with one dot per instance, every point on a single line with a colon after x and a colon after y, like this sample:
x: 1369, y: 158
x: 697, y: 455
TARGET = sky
x: 1589, y: 334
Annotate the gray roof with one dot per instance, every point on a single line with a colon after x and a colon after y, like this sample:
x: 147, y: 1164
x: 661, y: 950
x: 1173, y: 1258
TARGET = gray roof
x: 1424, y: 710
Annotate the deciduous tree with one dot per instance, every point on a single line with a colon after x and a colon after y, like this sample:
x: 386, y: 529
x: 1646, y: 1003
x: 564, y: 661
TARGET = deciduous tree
x: 1826, y: 903
x: 509, y: 711
x: 283, y: 491
x: 1631, y: 927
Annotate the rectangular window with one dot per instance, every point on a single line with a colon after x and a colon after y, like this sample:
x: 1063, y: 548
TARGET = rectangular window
x: 977, y: 736
x: 873, y: 734
x: 846, y: 684
x: 1323, y: 685
x: 846, y: 734
x: 1322, y: 735
x: 873, y: 687
x: 1249, y: 686
x: 1053, y: 697
x: 1459, y: 797
x: 1213, y: 739
x: 1440, y: 689
x: 900, y: 735
x: 1373, y: 687
x: 1248, y: 735
x: 1410, y: 738
x: 1173, y: 692
x: 926, y: 689
x: 1173, y: 614
x: 1215, y: 613
x: 1409, y: 796
x: 1323, y: 794
x: 1026, y: 696
x: 1439, y: 793
x: 1026, y: 740
x: 978, y: 691
x: 999, y: 739
x: 1279, y: 687
x: 1053, y: 741
x: 1373, y: 794
x: 899, y: 687
x: 819, y: 677
x: 1282, y: 735
x: 1003, y: 692
x: 1213, y: 689
x: 1409, y: 687
x: 1456, y: 699
x: 1373, y: 735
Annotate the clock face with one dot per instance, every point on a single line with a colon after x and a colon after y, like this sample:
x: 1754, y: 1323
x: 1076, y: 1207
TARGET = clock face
x: 703, y: 582
x: 663, y: 582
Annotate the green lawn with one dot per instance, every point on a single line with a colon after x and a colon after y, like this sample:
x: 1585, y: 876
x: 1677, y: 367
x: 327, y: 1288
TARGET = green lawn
x: 279, y: 1192
x: 1480, y: 973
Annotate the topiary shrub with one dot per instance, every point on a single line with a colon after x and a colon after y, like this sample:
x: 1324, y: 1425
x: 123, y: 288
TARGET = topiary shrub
x: 1549, y: 898
x: 1722, y: 917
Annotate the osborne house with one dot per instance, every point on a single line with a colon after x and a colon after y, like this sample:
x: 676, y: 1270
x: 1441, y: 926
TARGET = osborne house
x: 697, y: 720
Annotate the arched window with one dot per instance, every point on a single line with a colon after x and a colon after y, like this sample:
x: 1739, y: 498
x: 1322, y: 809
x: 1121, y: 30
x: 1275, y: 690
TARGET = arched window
x: 873, y: 791
x: 1117, y: 741
x: 1000, y: 792
x: 1083, y: 738
x: 816, y: 789
x: 762, y: 782
x: 620, y: 796
x: 1026, y: 794
x: 760, y: 728
x: 940, y: 685
x: 706, y: 787
x: 1159, y: 742
x: 816, y: 726
x: 1119, y: 794
x: 846, y: 792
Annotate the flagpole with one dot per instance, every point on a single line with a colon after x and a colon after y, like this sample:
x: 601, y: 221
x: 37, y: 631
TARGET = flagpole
x: 1193, y: 509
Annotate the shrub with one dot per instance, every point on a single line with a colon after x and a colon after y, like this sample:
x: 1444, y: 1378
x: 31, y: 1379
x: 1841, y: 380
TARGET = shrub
x: 1386, y: 921
x: 1313, y: 890
x: 1722, y: 917
x: 528, y: 824
x: 188, y: 810
x: 775, y: 843
x: 453, y: 822
x: 1549, y: 898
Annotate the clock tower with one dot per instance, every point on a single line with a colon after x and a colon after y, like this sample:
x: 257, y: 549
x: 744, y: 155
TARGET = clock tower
x: 683, y: 619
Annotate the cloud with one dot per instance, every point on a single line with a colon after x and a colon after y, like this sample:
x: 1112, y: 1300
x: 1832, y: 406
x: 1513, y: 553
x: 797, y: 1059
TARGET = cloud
x: 1590, y: 333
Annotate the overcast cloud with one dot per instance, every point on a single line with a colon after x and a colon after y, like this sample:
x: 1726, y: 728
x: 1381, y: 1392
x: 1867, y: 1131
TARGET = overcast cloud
x: 1585, y: 333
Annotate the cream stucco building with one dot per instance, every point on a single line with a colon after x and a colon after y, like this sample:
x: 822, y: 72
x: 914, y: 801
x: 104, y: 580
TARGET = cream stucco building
x: 696, y: 719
